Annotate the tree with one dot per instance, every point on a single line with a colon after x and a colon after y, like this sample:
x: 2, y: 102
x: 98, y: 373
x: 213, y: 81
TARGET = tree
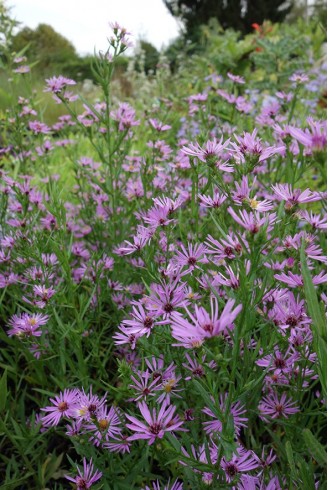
x: 45, y: 45
x: 237, y: 14
x: 150, y: 56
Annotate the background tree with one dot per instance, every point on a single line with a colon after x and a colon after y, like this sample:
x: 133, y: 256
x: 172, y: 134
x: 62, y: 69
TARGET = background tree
x: 146, y: 57
x: 237, y: 14
x: 44, y: 45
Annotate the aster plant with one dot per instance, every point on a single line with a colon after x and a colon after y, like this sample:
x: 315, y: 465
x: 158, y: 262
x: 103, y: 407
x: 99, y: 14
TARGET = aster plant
x: 162, y: 294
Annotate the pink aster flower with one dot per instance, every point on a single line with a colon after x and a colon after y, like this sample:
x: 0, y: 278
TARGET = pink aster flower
x: 26, y: 325
x: 166, y: 298
x: 229, y: 248
x: 126, y: 337
x: 159, y: 126
x: 237, y: 410
x: 204, y: 325
x: 168, y: 486
x: 207, y: 154
x: 142, y: 321
x: 253, y: 221
x: 86, y: 478
x: 315, y: 138
x: 315, y: 220
x: 241, y: 462
x: 119, y: 444
x: 196, y: 254
x: 144, y: 386
x: 273, y: 407
x: 250, y: 145
x: 38, y: 127
x: 296, y: 280
x: 285, y: 192
x: 212, y: 202
x: 279, y: 362
x: 57, y: 84
x: 63, y: 405
x: 236, y: 78
x: 139, y: 242
x: 104, y: 425
x: 88, y: 406
x: 156, y: 423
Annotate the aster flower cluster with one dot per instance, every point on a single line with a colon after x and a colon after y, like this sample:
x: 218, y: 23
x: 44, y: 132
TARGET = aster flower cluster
x: 163, y: 315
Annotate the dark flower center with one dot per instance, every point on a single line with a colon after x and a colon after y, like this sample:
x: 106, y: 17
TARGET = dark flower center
x: 199, y: 371
x: 155, y: 428
x: 62, y: 406
x: 148, y: 322
x: 168, y: 308
x: 92, y: 408
x: 228, y: 251
x: 292, y: 321
x: 81, y: 483
x: 279, y: 408
x: 192, y: 261
x: 231, y: 470
x: 208, y: 327
x: 280, y: 363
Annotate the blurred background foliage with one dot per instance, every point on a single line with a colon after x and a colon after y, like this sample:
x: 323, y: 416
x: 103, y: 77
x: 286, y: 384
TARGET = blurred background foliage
x: 208, y: 43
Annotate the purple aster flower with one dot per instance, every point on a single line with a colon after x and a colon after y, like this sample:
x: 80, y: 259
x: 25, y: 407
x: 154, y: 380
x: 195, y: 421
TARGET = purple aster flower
x: 273, y: 407
x: 86, y: 478
x: 253, y: 222
x: 190, y: 258
x: 169, y: 388
x: 229, y: 248
x: 249, y: 145
x: 142, y: 321
x: 156, y: 423
x: 314, y: 139
x: 139, y: 241
x: 105, y: 425
x: 284, y: 192
x: 166, y: 298
x: 204, y: 325
x: 168, y: 486
x: 158, y: 216
x: 88, y: 406
x: 63, y: 405
x: 212, y: 202
x: 57, y: 84
x: 119, y: 444
x: 144, y: 386
x: 296, y: 280
x: 241, y: 462
x: 236, y: 78
x: 279, y: 362
x: 210, y: 153
x: 237, y: 410
x: 126, y: 337
x: 27, y: 325
x: 159, y: 126
x: 38, y: 127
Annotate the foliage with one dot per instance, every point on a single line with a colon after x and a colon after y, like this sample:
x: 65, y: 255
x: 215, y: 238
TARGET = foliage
x: 236, y: 14
x: 162, y: 267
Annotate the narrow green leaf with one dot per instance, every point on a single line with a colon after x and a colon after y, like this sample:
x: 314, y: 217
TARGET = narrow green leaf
x: 3, y: 391
x: 290, y: 457
x: 312, y: 298
x: 314, y: 447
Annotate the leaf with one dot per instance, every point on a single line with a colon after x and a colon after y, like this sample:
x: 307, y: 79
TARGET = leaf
x: 290, y: 457
x: 314, y: 447
x: 3, y: 391
x: 312, y: 298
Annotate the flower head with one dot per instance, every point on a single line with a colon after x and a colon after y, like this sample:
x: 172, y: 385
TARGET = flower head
x: 86, y: 478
